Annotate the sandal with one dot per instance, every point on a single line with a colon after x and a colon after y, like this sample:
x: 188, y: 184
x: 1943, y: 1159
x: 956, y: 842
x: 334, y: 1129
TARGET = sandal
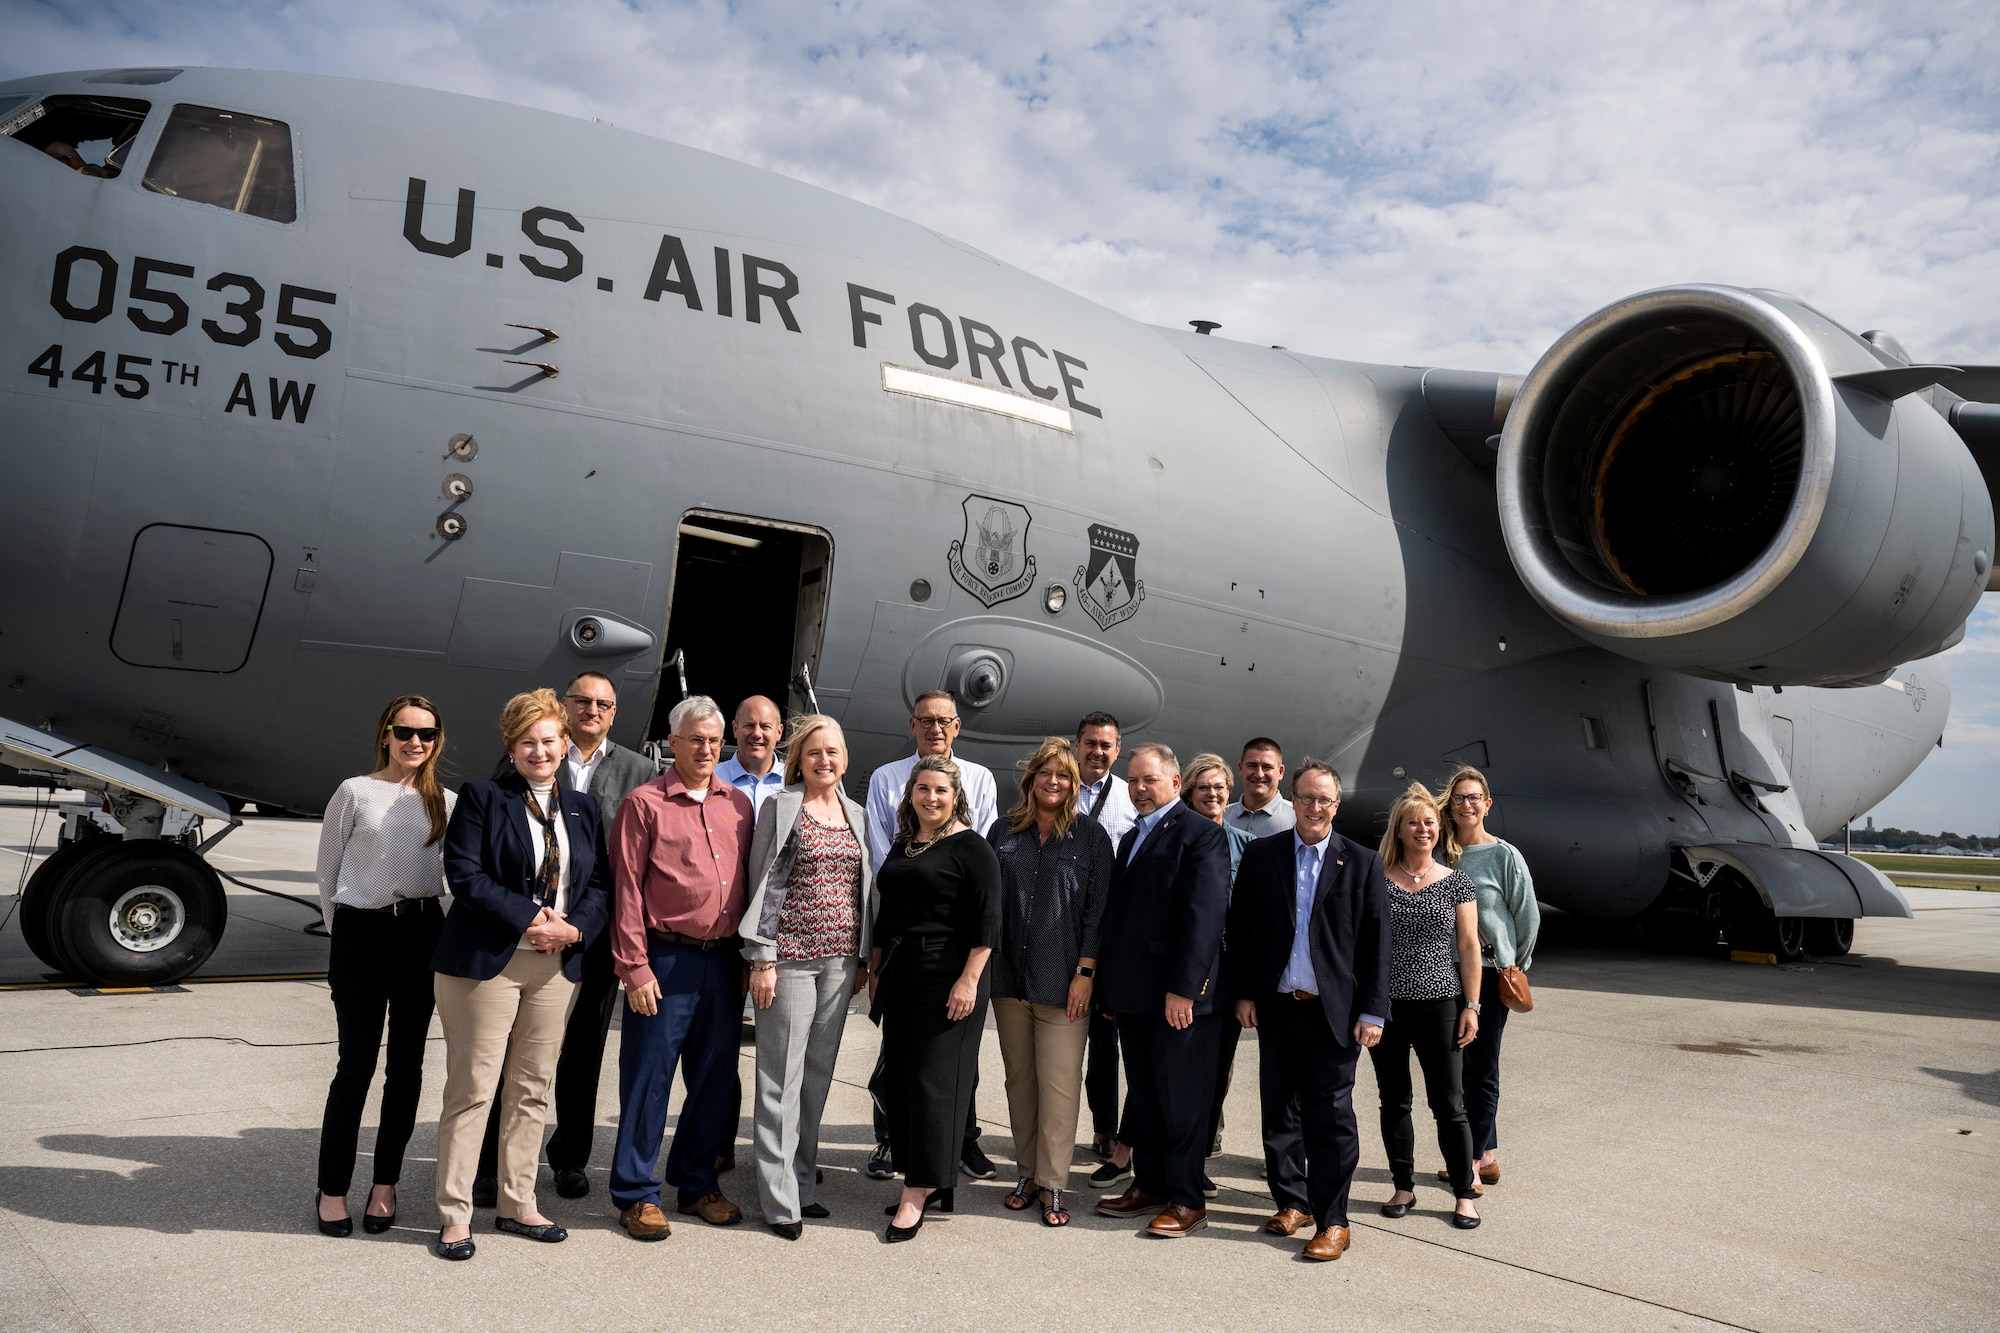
x: 1054, y: 1214
x: 1022, y: 1194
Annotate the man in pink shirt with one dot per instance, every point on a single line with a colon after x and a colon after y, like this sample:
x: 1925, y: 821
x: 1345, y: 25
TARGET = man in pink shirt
x: 680, y: 854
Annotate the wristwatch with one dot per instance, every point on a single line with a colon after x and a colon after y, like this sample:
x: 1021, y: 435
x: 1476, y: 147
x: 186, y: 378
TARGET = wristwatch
x: 1087, y: 972
x: 1473, y: 1005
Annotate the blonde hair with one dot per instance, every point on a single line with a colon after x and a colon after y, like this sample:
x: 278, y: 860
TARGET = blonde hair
x: 1417, y: 798
x: 803, y: 729
x: 524, y: 711
x: 1199, y: 765
x: 1022, y: 816
x: 906, y: 813
x: 427, y: 783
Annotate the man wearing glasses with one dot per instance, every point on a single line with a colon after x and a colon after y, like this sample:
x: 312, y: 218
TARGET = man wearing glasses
x: 680, y: 853
x: 934, y: 725
x: 608, y: 771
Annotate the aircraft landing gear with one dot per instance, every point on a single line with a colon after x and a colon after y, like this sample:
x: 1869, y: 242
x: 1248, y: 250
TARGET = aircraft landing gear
x: 1829, y: 936
x: 1750, y: 926
x: 124, y: 912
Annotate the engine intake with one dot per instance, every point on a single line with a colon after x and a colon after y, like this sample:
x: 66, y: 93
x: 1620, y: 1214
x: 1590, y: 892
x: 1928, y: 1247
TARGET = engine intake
x: 1685, y: 480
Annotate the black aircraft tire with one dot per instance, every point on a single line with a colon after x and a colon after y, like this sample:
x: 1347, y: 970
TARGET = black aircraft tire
x: 141, y: 913
x: 44, y: 894
x: 1788, y: 935
x: 1829, y: 936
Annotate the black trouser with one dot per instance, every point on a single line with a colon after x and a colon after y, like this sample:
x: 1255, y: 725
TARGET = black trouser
x: 881, y: 1109
x: 1430, y: 1028
x: 1230, y: 1033
x: 1482, y: 1067
x: 1305, y: 1082
x: 578, y: 1069
x: 930, y: 1066
x: 379, y: 967
x: 1100, y: 1075
x: 1170, y: 1080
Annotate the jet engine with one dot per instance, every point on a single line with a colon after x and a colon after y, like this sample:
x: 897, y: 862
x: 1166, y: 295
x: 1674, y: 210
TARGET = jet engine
x: 1726, y: 482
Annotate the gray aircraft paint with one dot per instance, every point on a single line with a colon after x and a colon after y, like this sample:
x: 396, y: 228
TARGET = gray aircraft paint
x: 1320, y: 563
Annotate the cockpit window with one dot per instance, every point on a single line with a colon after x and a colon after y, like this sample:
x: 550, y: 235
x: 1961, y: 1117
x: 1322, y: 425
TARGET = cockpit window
x: 235, y: 161
x: 87, y: 134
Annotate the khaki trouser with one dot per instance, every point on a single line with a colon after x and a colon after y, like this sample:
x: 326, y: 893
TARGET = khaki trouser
x: 1043, y: 1052
x: 506, y: 1031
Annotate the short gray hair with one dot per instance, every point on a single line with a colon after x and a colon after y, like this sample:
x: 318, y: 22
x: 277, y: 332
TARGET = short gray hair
x: 1163, y: 753
x: 694, y: 708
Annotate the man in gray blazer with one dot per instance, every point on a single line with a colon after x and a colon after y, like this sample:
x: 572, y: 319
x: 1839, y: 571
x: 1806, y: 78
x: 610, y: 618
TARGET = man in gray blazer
x: 608, y: 771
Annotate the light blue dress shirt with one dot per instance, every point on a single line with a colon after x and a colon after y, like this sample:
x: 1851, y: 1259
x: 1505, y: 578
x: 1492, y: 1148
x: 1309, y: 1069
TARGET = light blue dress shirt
x: 1298, y: 973
x: 1145, y: 825
x: 759, y: 790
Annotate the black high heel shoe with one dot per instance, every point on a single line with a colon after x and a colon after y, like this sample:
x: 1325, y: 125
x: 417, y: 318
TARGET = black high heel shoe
x: 337, y: 1230
x: 894, y: 1233
x: 942, y: 1201
x: 374, y: 1225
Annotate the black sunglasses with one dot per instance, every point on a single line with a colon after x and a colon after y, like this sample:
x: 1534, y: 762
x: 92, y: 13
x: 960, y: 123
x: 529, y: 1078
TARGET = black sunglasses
x: 424, y: 734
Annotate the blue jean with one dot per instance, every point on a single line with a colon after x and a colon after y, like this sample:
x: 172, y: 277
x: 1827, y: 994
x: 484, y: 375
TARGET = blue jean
x: 701, y: 1003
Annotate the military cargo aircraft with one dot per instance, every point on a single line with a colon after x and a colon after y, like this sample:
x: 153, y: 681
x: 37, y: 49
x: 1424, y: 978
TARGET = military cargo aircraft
x: 320, y: 391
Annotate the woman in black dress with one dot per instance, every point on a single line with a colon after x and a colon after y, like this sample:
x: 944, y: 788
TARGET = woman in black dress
x: 937, y: 922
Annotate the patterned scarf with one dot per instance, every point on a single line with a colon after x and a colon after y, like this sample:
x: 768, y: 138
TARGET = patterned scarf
x: 548, y: 876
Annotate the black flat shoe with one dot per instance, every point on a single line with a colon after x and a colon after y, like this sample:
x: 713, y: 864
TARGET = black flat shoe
x: 895, y: 1233
x: 1399, y: 1209
x: 572, y: 1183
x: 374, y: 1225
x: 815, y: 1211
x: 1464, y: 1223
x: 337, y: 1230
x: 790, y: 1230
x: 942, y: 1201
x: 454, y: 1249
x: 548, y: 1233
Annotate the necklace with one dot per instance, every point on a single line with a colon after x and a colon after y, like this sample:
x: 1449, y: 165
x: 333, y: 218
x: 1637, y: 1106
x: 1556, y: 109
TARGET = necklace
x: 1416, y: 877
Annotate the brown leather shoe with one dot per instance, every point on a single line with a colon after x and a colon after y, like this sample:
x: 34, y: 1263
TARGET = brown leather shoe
x: 1130, y: 1204
x: 1477, y: 1192
x: 1287, y: 1222
x: 1490, y: 1174
x: 1177, y: 1220
x: 713, y: 1209
x: 1328, y: 1243
x: 645, y: 1221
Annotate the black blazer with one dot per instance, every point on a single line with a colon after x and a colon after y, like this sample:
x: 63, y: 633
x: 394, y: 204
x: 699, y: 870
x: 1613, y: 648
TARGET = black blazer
x: 1163, y: 921
x: 489, y: 865
x: 1347, y: 931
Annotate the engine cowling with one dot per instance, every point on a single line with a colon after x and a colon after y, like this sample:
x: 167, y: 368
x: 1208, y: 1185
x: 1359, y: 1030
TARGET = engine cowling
x: 1686, y: 480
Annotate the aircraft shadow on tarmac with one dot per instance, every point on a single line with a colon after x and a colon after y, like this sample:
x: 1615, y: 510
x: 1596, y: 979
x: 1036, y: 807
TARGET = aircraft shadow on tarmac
x: 182, y: 1184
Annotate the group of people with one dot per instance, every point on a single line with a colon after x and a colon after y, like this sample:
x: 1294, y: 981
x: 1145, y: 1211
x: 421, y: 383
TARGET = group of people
x: 1142, y: 923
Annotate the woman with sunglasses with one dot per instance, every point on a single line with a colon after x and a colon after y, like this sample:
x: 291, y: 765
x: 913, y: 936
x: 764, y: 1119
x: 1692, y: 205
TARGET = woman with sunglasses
x: 381, y: 875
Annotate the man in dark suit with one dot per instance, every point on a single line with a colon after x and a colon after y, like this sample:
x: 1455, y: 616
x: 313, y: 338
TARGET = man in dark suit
x: 1159, y: 974
x: 608, y: 771
x: 1309, y: 965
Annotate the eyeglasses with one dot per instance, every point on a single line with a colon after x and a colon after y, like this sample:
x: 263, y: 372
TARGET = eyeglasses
x: 424, y: 734
x: 1316, y: 802
x: 1467, y: 798
x: 700, y: 743
x: 935, y: 723
x: 584, y: 703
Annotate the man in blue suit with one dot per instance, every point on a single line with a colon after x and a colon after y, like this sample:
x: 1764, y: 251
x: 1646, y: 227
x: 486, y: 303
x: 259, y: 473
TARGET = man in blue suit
x: 1309, y: 965
x: 1159, y: 968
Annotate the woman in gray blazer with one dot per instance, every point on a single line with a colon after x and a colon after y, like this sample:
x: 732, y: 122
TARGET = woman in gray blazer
x: 806, y: 930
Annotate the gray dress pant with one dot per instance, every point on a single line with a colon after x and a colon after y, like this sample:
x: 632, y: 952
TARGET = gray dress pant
x: 798, y: 1038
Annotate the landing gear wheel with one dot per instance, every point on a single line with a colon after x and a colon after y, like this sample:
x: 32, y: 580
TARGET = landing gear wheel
x: 1788, y: 938
x: 1751, y: 927
x: 43, y: 896
x: 1829, y: 936
x: 140, y: 913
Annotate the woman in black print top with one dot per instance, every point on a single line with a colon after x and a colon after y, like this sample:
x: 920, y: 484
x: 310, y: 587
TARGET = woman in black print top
x: 935, y: 927
x: 1433, y: 967
x: 1055, y: 873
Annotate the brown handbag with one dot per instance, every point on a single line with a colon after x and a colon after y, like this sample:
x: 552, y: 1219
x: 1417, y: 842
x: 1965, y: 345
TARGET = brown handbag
x: 1514, y: 992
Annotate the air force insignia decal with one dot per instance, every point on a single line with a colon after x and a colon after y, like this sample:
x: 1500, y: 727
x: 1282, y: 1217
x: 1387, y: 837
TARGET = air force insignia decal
x: 1111, y: 588
x: 991, y: 561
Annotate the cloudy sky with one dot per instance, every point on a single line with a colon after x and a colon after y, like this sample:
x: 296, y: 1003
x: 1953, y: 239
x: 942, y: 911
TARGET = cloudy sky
x: 1445, y: 184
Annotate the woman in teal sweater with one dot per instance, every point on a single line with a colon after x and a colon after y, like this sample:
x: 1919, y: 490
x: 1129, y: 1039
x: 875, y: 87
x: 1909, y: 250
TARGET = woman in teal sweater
x: 1508, y: 921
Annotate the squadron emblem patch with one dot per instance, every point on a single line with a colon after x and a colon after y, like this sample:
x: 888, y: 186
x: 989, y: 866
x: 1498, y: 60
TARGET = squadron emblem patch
x: 1110, y: 587
x: 991, y: 561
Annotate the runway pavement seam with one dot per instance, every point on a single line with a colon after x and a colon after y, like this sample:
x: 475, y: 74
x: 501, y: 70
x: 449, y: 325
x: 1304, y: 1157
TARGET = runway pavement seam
x: 156, y: 1041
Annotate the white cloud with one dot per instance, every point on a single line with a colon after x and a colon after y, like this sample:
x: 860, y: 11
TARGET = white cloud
x: 1438, y: 183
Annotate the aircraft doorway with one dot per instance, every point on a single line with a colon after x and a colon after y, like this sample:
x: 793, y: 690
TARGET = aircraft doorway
x: 747, y: 613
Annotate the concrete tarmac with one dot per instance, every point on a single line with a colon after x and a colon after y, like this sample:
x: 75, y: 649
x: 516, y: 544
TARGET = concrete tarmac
x: 1686, y: 1143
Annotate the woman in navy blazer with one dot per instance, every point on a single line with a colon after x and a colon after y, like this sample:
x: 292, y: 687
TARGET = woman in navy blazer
x: 524, y: 859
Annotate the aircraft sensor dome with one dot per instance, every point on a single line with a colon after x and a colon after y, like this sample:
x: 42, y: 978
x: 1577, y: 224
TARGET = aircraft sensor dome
x: 1726, y: 482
